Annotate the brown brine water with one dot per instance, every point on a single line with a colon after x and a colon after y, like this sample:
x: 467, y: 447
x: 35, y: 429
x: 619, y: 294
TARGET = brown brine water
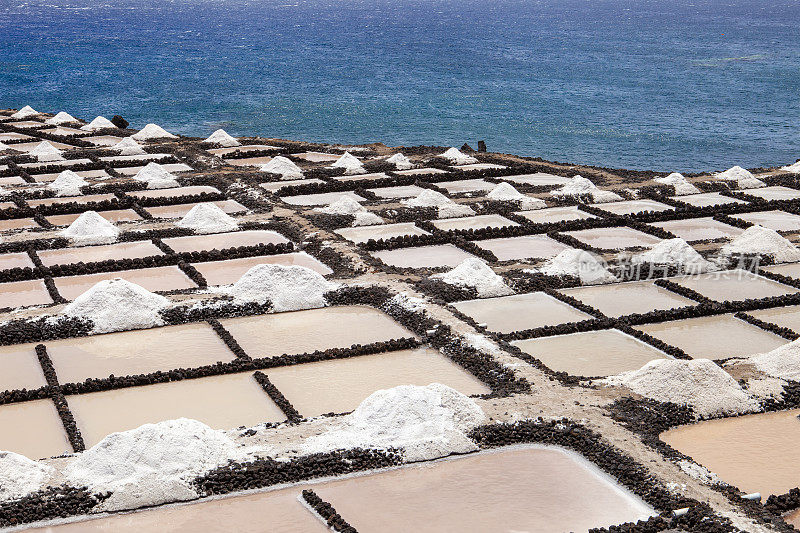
x: 32, y: 429
x: 734, y: 285
x: 221, y: 241
x: 105, y: 252
x: 114, y: 216
x: 614, y: 238
x: 697, y: 229
x: 180, y: 210
x: 20, y: 368
x: 23, y: 293
x: 526, y: 247
x: 777, y: 220
x: 476, y: 222
x: 786, y: 317
x: 382, y: 231
x: 445, y: 255
x: 520, y: 311
x: 619, y: 299
x: 166, y: 278
x: 229, y: 271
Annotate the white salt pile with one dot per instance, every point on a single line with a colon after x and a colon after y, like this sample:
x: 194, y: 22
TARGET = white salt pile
x: 207, y: 218
x: 350, y: 163
x: 118, y: 305
x: 677, y: 180
x: 128, y: 146
x: 446, y: 207
x: 347, y: 206
x: 794, y: 167
x: 91, y: 228
x: 152, y: 464
x: 25, y: 112
x: 698, y: 472
x: 284, y: 167
x: 99, y: 123
x: 44, y: 151
x: 457, y: 157
x: 19, y: 476
x: 289, y: 288
x: 699, y: 383
x: 744, y: 178
x: 580, y: 264
x: 400, y: 161
x: 4, y: 146
x: 472, y: 272
x: 782, y: 362
x: 61, y: 118
x: 152, y: 131
x: 675, y: 252
x: 156, y: 177
x: 579, y: 186
x: 505, y: 192
x: 222, y: 138
x: 67, y: 184
x: 407, y: 302
x: 482, y: 343
x: 760, y: 240
x: 425, y: 422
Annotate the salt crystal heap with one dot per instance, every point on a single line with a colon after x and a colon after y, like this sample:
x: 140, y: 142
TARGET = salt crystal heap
x: 118, y: 305
x: 44, y: 151
x: 675, y: 252
x: 677, y: 180
x: 19, y: 476
x: 783, y: 362
x: 579, y: 264
x: 400, y: 161
x: 760, y: 240
x: 99, y: 123
x: 25, y: 112
x: 794, y: 168
x: 152, y: 131
x: 579, y: 186
x: 152, y: 464
x: 350, y: 163
x: 91, y: 228
x: 67, y: 183
x: 457, y: 157
x: 698, y: 383
x: 743, y: 178
x: 446, y: 207
x: 61, y: 118
x: 288, y: 288
x: 221, y: 138
x: 208, y: 218
x: 284, y: 167
x: 156, y: 177
x: 347, y: 206
x: 474, y: 273
x: 424, y: 422
x: 505, y: 192
x: 128, y: 146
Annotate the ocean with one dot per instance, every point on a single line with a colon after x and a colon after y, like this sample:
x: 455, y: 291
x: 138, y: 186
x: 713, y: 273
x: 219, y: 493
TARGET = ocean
x: 672, y: 85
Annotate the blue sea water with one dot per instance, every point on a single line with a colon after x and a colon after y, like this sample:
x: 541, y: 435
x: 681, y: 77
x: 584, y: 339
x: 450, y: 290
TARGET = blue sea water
x: 660, y: 84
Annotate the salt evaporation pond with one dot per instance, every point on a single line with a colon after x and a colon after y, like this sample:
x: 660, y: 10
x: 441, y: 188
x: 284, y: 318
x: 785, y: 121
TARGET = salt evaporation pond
x: 619, y: 299
x: 734, y: 285
x: 519, y: 312
x: 614, y: 238
x: 698, y: 229
x: 166, y: 278
x: 38, y: 431
x: 228, y: 271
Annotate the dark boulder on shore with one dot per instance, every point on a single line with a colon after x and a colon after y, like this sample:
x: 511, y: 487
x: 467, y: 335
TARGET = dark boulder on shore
x: 120, y: 122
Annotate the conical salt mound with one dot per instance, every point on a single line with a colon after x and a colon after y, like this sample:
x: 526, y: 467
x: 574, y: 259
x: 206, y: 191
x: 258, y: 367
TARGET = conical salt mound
x: 760, y: 240
x: 473, y: 272
x: 156, y: 177
x: 783, y: 362
x: 118, y: 305
x: 128, y: 146
x: 743, y: 178
x: 67, y: 183
x: 677, y: 180
x: 794, y: 168
x: 347, y: 206
x: 288, y: 288
x: 579, y: 186
x: 19, y: 476
x: 579, y: 264
x: 505, y: 192
x: 221, y: 138
x: 350, y: 164
x: 91, y: 228
x: 284, y: 167
x: 44, y: 151
x: 457, y: 157
x: 675, y: 252
x: 4, y: 146
x: 152, y: 131
x: 400, y: 161
x: 445, y: 207
x: 25, y: 112
x: 61, y: 118
x: 99, y: 123
x: 208, y: 218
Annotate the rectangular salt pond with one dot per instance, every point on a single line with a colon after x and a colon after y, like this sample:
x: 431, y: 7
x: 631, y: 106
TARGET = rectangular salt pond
x: 361, y: 234
x: 620, y: 299
x: 591, y: 353
x: 13, y: 136
x: 520, y: 311
x: 230, y: 270
x: 462, y: 186
x: 525, y: 247
x: 443, y: 255
x: 104, y: 252
x: 175, y: 191
x: 169, y: 167
x: 222, y: 241
x: 244, y: 148
x: 165, y: 278
x: 698, y: 229
x: 68, y: 199
x: 714, y: 337
x: 614, y: 238
x: 734, y: 285
x: 774, y: 193
x: 137, y: 352
x: 273, y: 186
x: 20, y: 368
x: 135, y: 157
x: 180, y: 210
x: 756, y: 453
x: 777, y: 220
x: 88, y: 174
x: 476, y: 222
x: 249, y: 161
x: 324, y: 198
x: 478, y: 166
x: 707, y: 199
x: 317, y: 157
x: 339, y: 386
x: 12, y: 180
x: 103, y: 140
x: 17, y: 223
x: 420, y: 171
x: 24, y: 293
x: 15, y: 260
x: 222, y: 402
x: 786, y: 317
x: 791, y: 270
x: 33, y: 429
x: 400, y: 191
x: 360, y: 177
x: 630, y: 207
x: 114, y: 216
x: 63, y: 130
x: 33, y: 167
x: 298, y: 332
